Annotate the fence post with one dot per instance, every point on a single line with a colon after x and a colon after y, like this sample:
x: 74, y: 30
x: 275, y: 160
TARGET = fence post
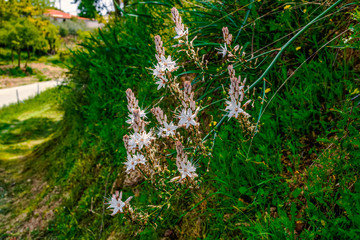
x: 17, y: 96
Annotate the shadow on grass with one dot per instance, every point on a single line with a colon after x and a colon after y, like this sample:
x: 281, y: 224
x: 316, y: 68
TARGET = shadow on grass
x: 19, y: 138
x: 30, y: 129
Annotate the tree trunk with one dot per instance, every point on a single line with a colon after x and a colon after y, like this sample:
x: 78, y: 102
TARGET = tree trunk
x: 19, y: 57
x: 12, y: 56
x: 28, y: 59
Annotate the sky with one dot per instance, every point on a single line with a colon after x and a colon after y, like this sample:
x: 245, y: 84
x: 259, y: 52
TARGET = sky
x: 68, y: 6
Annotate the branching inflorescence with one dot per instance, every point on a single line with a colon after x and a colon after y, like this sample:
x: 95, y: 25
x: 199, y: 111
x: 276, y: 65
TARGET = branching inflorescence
x: 146, y: 146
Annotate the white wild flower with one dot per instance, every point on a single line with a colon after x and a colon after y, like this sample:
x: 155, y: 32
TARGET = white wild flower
x: 179, y: 27
x: 187, y: 169
x: 133, y: 141
x: 180, y: 31
x: 222, y: 50
x: 169, y: 129
x: 187, y: 117
x: 144, y: 139
x: 117, y: 204
x: 139, y: 158
x: 161, y: 83
x: 167, y: 64
x: 130, y: 163
x: 158, y: 71
x: 234, y: 109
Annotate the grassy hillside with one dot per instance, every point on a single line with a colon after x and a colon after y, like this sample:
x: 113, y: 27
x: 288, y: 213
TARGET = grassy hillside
x: 296, y: 177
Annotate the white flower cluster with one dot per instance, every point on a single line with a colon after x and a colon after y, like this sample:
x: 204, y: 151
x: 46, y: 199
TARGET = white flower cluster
x: 164, y: 65
x: 140, y: 138
x: 185, y: 167
x: 140, y: 145
x: 237, y: 93
x: 166, y: 129
x: 179, y: 27
x: 188, y: 113
x: 145, y: 153
x: 224, y: 50
x: 117, y: 204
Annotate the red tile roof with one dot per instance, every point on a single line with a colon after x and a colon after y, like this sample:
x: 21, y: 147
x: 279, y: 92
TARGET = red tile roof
x: 60, y: 14
x: 82, y: 18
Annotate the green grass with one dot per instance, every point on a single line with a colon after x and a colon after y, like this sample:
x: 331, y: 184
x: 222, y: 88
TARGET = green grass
x: 23, y: 128
x: 5, y: 56
x: 286, y: 182
x: 60, y: 59
x: 25, y: 125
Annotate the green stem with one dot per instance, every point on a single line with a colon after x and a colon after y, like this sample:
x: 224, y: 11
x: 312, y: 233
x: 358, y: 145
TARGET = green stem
x: 245, y: 19
x: 221, y: 100
x: 162, y: 207
x: 276, y: 58
x: 262, y: 106
x: 290, y: 41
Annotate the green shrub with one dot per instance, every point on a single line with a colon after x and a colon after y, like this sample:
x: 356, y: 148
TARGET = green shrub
x: 70, y: 27
x: 17, y: 72
x: 64, y: 31
x: 108, y: 62
x: 29, y: 70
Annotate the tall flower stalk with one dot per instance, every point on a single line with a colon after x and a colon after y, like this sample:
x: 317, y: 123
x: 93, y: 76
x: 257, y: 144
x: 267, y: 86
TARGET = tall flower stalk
x: 165, y: 148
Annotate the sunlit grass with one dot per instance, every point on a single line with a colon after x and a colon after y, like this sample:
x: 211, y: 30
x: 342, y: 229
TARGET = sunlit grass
x: 24, y: 126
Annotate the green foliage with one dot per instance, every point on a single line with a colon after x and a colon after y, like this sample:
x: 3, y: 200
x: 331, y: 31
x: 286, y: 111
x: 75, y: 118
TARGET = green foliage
x: 296, y: 178
x: 13, y: 9
x: 23, y: 28
x: 20, y: 33
x: 52, y: 37
x: 70, y: 27
x: 18, y: 72
x: 264, y: 185
x: 21, y: 131
x: 88, y: 8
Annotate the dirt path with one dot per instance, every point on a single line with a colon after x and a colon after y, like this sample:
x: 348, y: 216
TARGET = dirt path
x: 46, y: 71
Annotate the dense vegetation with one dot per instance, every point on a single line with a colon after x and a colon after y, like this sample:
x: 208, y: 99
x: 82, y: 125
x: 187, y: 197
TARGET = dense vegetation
x: 296, y: 177
x: 23, y: 28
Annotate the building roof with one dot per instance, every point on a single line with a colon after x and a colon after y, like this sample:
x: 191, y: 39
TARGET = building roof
x: 60, y: 14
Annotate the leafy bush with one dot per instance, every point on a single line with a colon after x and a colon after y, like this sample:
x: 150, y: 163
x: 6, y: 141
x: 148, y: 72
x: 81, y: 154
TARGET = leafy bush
x: 17, y: 72
x: 99, y: 73
x: 70, y: 27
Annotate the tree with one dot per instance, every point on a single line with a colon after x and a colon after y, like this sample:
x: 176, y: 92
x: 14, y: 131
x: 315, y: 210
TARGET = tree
x: 52, y: 37
x: 12, y: 9
x: 23, y: 28
x: 88, y: 8
x: 21, y: 33
x: 91, y: 8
